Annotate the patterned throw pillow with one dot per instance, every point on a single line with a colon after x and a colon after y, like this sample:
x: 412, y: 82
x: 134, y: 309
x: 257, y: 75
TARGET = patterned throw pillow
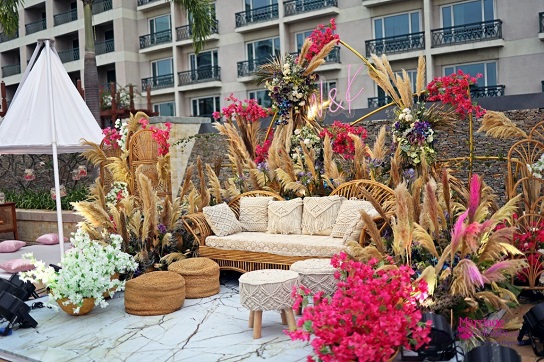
x: 222, y: 220
x: 11, y: 246
x: 285, y: 217
x: 353, y: 231
x: 319, y: 214
x: 254, y: 213
x: 348, y: 214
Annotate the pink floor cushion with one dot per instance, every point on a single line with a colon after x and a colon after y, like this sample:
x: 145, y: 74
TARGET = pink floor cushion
x: 50, y: 239
x: 17, y: 265
x: 10, y: 246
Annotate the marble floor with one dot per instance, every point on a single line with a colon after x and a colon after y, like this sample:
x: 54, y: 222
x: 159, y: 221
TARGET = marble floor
x: 209, y: 329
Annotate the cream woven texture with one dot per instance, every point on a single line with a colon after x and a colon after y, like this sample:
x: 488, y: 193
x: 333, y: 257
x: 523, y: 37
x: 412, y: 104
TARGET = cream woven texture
x: 319, y: 214
x: 316, y: 275
x: 221, y: 219
x: 287, y: 245
x: 353, y: 231
x: 285, y: 217
x: 268, y: 289
x: 347, y: 215
x: 254, y: 213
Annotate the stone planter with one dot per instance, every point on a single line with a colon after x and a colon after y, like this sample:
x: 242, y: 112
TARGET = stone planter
x: 33, y: 223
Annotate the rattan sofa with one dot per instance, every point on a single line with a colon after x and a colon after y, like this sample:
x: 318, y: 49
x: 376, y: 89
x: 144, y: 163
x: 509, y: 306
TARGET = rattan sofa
x: 243, y: 261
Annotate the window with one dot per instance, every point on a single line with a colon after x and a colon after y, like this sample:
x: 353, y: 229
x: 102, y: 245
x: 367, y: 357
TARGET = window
x: 412, y: 75
x: 262, y: 50
x: 488, y: 71
x: 204, y: 107
x: 327, y: 86
x: 400, y: 24
x: 300, y: 37
x: 204, y: 65
x: 467, y: 12
x: 254, y: 4
x: 162, y: 67
x: 165, y: 109
x: 160, y: 30
x: 262, y: 97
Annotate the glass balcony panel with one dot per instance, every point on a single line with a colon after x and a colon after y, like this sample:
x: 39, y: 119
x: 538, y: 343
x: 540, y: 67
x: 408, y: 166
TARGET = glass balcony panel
x: 256, y: 15
x: 107, y: 46
x: 66, y: 17
x: 101, y: 6
x: 12, y: 69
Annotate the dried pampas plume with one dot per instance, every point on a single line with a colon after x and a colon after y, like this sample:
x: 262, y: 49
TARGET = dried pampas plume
x: 497, y: 125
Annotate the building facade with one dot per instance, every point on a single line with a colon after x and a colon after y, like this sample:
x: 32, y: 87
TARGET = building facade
x: 147, y: 43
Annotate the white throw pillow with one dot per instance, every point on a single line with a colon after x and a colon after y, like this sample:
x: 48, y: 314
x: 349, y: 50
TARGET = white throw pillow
x: 348, y: 215
x: 319, y: 214
x: 353, y: 232
x: 222, y: 220
x: 285, y: 217
x: 254, y: 213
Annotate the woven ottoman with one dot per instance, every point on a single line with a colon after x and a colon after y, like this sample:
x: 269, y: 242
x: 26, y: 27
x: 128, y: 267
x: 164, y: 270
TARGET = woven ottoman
x: 154, y: 293
x: 316, y: 275
x: 268, y: 289
x: 201, y: 276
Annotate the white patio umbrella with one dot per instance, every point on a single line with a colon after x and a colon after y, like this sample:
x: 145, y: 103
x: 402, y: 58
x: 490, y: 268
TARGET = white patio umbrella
x: 47, y: 115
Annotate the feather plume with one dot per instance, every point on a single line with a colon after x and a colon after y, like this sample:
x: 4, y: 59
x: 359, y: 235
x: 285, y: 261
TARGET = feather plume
x: 133, y: 123
x: 431, y: 208
x: 379, y: 149
x: 420, y: 78
x: 304, y: 50
x: 148, y: 198
x: 319, y: 58
x: 372, y: 229
x: 492, y: 299
x: 422, y: 237
x: 474, y: 199
x: 97, y: 193
x: 172, y: 257
x: 395, y: 167
x: 214, y: 184
x: 446, y: 192
x: 502, y: 270
x: 118, y: 166
x: 309, y: 157
x: 94, y: 154
x: 497, y: 125
x: 259, y: 177
x: 403, y: 224
x: 466, y: 279
x: 163, y: 168
x: 357, y: 252
x: 314, y: 64
x: 93, y: 214
x: 331, y: 169
x: 359, y: 167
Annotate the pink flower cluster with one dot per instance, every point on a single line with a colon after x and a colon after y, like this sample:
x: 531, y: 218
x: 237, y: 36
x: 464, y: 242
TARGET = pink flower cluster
x: 371, y: 314
x: 454, y: 90
x: 261, y: 151
x: 320, y: 37
x: 342, y: 144
x: 159, y: 135
x: 111, y: 136
x: 248, y: 110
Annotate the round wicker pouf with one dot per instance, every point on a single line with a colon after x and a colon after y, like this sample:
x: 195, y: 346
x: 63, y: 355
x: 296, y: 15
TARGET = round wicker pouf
x: 316, y: 275
x: 201, y: 276
x: 268, y: 289
x: 154, y: 293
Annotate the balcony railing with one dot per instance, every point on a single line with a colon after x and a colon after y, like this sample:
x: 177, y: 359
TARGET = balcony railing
x: 256, y: 15
x: 375, y: 102
x: 250, y: 67
x: 185, y: 32
x: 145, y: 2
x: 487, y: 91
x: 69, y: 55
x: 303, y: 6
x: 101, y: 5
x: 467, y: 33
x: 395, y: 44
x: 66, y: 17
x: 12, y: 69
x: 4, y: 37
x: 333, y: 56
x: 103, y: 47
x: 203, y: 74
x: 541, y: 17
x: 161, y: 37
x: 36, y: 26
x: 159, y: 82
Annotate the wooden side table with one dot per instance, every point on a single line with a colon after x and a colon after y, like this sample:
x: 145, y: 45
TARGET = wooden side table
x: 8, y: 219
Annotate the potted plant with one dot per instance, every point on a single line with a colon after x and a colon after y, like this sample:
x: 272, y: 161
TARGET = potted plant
x: 85, y: 273
x: 372, y: 314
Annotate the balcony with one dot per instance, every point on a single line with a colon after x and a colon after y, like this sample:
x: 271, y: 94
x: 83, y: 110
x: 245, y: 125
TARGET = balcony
x: 200, y: 75
x: 487, y: 91
x: 467, y: 33
x: 159, y: 82
x: 66, y: 17
x: 34, y: 27
x: 9, y: 70
x: 69, y: 55
x: 145, y: 2
x: 256, y: 15
x: 4, y: 37
x: 375, y: 102
x: 395, y: 44
x: 161, y: 37
x: 249, y: 67
x: 185, y: 32
x: 295, y: 7
x: 104, y: 47
x: 101, y: 6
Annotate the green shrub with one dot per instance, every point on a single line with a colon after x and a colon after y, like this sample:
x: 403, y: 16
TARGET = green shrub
x: 41, y: 199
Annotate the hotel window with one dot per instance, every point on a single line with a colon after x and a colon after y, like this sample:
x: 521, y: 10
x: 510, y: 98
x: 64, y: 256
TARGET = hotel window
x: 467, y: 12
x: 254, y: 4
x: 262, y: 97
x: 399, y: 24
x: 300, y: 37
x: 204, y: 107
x: 488, y: 70
x: 263, y: 50
x: 412, y: 74
x: 162, y: 67
x: 165, y: 109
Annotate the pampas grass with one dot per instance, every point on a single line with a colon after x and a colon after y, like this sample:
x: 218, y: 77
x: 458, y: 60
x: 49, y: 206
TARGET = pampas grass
x: 497, y: 125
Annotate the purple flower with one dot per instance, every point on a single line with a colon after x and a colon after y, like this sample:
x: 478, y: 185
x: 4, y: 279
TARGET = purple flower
x: 162, y: 228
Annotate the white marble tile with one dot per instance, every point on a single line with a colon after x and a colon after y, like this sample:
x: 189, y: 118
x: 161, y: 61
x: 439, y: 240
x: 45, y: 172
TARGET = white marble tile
x: 209, y: 329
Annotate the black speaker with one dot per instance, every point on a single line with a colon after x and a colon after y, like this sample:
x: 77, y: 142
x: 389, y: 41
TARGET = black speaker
x: 16, y: 312
x: 533, y: 326
x: 18, y: 288
x: 492, y: 352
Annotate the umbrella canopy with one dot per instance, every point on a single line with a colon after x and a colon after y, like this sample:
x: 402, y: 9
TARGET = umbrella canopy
x: 47, y: 115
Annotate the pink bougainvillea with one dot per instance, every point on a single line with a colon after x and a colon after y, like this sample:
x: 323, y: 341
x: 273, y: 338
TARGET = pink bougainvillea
x: 248, y: 110
x: 161, y: 136
x: 320, y: 37
x: 372, y: 313
x: 111, y: 136
x: 454, y: 90
x: 342, y: 144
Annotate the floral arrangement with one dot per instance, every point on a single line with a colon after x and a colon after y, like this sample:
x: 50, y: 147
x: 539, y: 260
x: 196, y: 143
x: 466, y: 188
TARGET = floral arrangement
x: 537, y: 168
x: 123, y: 100
x: 312, y: 141
x: 248, y: 110
x: 86, y: 270
x: 117, y: 136
x: 414, y: 135
x: 342, y: 143
x: 372, y: 313
x: 161, y: 136
x: 118, y: 191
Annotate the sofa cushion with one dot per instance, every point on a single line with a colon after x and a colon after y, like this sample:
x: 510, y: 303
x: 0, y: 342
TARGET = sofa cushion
x: 17, y: 265
x: 348, y: 214
x: 10, y: 246
x: 319, y: 214
x: 254, y: 213
x: 288, y: 245
x: 285, y: 217
x: 221, y: 219
x: 353, y: 231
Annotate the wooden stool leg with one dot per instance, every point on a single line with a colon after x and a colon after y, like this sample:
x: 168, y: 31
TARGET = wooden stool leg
x: 257, y: 324
x: 251, y: 316
x: 290, y: 319
x: 299, y: 310
x: 283, y: 318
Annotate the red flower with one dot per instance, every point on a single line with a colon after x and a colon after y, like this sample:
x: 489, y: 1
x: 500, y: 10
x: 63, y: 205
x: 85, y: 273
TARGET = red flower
x: 248, y: 110
x: 342, y: 144
x: 320, y: 37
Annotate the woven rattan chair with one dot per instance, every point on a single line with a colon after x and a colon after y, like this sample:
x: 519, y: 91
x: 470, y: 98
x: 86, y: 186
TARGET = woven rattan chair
x: 531, y: 222
x: 537, y: 132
